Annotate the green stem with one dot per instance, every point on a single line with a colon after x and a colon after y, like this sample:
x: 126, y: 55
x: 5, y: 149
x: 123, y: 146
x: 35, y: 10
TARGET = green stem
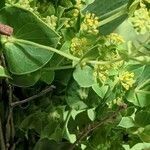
x: 113, y: 17
x: 71, y: 57
x: 143, y: 91
x: 66, y: 121
x: 111, y: 13
x: 46, y: 48
x: 104, y: 62
x: 60, y: 68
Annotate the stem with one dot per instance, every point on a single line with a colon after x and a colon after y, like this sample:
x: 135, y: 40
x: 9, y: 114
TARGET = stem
x: 46, y: 48
x: 66, y: 121
x: 142, y: 91
x: 71, y: 57
x: 113, y: 17
x: 60, y: 68
x: 111, y: 13
x: 49, y: 89
x: 104, y: 62
x: 9, y: 129
x: 2, y: 142
x: 96, y: 125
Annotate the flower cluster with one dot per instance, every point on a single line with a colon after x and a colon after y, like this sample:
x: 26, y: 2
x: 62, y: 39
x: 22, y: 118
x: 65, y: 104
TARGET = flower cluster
x: 79, y: 46
x: 115, y: 39
x: 117, y: 101
x: 78, y: 6
x: 26, y: 4
x: 101, y: 72
x: 141, y: 20
x: 127, y: 80
x: 74, y: 14
x: 90, y: 23
x: 51, y: 21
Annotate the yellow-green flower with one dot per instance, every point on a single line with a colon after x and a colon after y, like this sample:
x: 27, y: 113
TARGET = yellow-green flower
x: 115, y: 38
x: 90, y: 23
x: 77, y: 6
x: 101, y: 72
x: 127, y: 80
x: 51, y: 21
x: 141, y: 20
x: 79, y: 46
x: 26, y: 4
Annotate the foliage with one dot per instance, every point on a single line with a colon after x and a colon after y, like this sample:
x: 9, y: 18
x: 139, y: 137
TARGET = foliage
x: 75, y: 74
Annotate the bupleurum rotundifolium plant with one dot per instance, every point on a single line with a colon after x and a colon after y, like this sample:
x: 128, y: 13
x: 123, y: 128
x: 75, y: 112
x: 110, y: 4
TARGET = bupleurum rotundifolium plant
x: 96, y: 72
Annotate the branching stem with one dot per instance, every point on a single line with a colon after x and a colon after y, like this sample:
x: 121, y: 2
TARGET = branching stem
x: 43, y: 92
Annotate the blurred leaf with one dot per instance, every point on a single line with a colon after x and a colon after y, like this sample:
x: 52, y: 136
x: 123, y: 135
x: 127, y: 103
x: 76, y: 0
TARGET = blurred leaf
x: 145, y: 135
x: 141, y: 146
x: 141, y: 94
x: 2, y: 3
x: 142, y: 118
x: 25, y: 80
x: 100, y: 90
x: 73, y: 97
x: 91, y: 114
x: 35, y: 121
x: 3, y: 72
x: 47, y: 76
x: 46, y: 144
x: 126, y: 122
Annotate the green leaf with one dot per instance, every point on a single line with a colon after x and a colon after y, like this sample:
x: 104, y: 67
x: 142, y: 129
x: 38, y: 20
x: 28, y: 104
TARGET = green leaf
x: 25, y: 80
x: 64, y: 76
x: 3, y: 72
x: 126, y: 122
x: 141, y: 94
x: 45, y: 144
x: 30, y: 58
x: 36, y: 121
x: 70, y: 137
x: 145, y: 135
x: 141, y: 146
x: 142, y: 118
x: 73, y: 97
x: 2, y: 3
x: 91, y: 114
x: 100, y: 90
x: 27, y: 27
x: 84, y: 76
x: 47, y: 76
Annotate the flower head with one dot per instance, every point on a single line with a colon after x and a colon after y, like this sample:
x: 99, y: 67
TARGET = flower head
x: 101, y: 72
x: 141, y: 20
x: 90, y: 23
x: 51, y: 21
x: 115, y: 38
x: 79, y: 46
x: 126, y: 79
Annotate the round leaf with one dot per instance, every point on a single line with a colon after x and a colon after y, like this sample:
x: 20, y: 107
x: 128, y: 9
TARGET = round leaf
x: 84, y: 76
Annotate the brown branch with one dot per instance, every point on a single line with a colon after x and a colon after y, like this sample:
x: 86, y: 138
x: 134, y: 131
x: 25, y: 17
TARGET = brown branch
x: 96, y: 125
x: 43, y: 92
x: 9, y: 129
